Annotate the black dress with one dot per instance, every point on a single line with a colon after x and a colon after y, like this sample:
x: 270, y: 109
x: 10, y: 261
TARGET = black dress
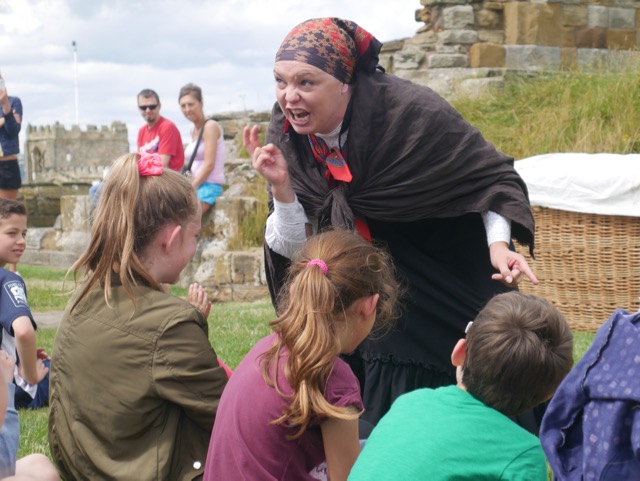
x: 421, y: 177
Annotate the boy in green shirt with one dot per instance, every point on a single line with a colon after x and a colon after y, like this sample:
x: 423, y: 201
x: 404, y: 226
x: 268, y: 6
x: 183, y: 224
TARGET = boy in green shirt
x: 515, y: 354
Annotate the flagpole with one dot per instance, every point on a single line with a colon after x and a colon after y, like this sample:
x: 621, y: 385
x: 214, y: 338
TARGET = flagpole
x: 75, y: 73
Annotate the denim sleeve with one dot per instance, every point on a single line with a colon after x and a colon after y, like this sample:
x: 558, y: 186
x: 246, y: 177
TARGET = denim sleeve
x: 11, y: 125
x: 9, y: 435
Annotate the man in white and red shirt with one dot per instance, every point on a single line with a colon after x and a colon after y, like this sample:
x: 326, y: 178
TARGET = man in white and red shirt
x: 160, y: 135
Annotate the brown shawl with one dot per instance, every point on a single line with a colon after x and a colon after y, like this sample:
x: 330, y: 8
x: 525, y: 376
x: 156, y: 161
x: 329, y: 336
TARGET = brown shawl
x: 412, y: 156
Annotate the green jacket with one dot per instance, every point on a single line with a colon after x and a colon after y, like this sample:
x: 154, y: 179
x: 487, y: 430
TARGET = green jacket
x: 134, y: 392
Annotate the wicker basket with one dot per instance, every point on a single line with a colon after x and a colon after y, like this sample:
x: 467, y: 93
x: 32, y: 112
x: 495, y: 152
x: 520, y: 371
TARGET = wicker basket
x: 588, y: 265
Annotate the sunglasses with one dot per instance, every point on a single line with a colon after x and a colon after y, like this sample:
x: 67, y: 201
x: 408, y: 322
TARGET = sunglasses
x: 148, y: 107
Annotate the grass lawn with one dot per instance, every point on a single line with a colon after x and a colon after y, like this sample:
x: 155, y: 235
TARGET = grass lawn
x: 233, y: 329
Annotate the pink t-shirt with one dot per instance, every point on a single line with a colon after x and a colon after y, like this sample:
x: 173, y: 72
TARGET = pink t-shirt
x: 244, y: 445
x: 164, y: 138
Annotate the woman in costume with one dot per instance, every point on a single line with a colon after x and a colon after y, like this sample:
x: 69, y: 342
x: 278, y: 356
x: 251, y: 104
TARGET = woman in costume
x: 350, y: 146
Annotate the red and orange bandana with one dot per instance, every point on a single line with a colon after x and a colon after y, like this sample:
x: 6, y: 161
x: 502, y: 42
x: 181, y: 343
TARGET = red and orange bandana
x: 335, y: 46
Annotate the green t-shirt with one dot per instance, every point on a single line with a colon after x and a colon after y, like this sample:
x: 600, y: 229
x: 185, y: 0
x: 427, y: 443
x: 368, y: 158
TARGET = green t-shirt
x: 447, y: 434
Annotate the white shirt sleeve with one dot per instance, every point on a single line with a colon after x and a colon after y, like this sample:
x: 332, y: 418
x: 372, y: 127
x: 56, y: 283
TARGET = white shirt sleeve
x: 285, y: 231
x: 498, y: 228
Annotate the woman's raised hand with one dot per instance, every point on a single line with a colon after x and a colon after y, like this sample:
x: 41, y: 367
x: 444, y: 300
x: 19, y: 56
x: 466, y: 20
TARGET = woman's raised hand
x: 270, y: 163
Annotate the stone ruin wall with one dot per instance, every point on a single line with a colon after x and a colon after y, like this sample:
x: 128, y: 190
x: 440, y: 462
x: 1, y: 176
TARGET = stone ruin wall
x: 464, y: 46
x: 59, y: 224
x: 55, y: 154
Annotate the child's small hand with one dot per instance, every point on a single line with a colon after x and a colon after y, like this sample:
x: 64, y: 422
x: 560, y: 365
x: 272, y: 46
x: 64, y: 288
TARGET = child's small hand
x: 42, y: 354
x: 7, y: 365
x: 41, y: 370
x: 199, y: 299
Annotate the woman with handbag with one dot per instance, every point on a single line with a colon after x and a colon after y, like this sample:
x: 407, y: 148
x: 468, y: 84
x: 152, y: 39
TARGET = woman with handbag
x: 206, y: 151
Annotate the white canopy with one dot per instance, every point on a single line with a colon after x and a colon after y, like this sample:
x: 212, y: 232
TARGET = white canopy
x: 607, y: 184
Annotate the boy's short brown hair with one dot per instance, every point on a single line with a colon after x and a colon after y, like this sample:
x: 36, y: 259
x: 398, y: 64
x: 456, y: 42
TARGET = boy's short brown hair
x: 519, y: 348
x: 10, y: 207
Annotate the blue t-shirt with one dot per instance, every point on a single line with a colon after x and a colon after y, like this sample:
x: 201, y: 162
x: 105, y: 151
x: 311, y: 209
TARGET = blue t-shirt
x: 13, y: 304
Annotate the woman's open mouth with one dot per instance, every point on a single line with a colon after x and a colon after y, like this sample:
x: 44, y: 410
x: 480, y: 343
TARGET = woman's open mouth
x: 299, y: 115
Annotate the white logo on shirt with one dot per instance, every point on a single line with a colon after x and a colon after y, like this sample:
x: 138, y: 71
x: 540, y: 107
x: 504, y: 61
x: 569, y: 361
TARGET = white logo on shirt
x: 15, y: 289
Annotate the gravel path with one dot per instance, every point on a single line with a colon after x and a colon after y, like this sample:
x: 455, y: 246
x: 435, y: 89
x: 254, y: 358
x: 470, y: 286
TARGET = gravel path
x: 48, y: 319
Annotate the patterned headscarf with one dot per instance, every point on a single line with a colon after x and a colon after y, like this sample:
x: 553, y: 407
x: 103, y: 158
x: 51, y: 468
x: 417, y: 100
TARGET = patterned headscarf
x: 335, y: 46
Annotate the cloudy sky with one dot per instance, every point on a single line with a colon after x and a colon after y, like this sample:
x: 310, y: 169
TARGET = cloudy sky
x: 225, y: 46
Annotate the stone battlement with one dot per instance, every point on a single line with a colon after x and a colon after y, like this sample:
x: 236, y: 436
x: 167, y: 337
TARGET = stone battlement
x: 56, y: 154
x: 466, y: 45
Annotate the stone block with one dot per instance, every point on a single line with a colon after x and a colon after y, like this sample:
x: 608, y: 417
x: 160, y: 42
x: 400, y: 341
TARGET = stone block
x: 464, y: 37
x: 49, y: 258
x: 568, y: 58
x: 423, y: 15
x: 532, y: 57
x: 76, y: 188
x: 245, y: 267
x: 451, y: 49
x: 498, y: 6
x: 621, y: 39
x: 568, y: 37
x: 219, y: 293
x: 408, y: 60
x: 533, y: 24
x: 393, y: 45
x: 619, y: 60
x: 491, y: 36
x: 443, y: 2
x: 34, y: 237
x: 447, y: 61
x: 37, y: 220
x: 591, y: 38
x: 49, y: 191
x: 562, y: 2
x: 46, y: 206
x: 477, y: 87
x: 622, y: 18
x: 385, y: 60
x: 597, y: 16
x: 229, y: 213
x: 74, y: 242
x: 249, y: 293
x: 591, y: 58
x: 458, y: 17
x: 488, y: 19
x: 222, y: 269
x: 76, y: 213
x: 50, y: 240
x: 424, y: 39
x: 486, y: 55
x: 574, y: 15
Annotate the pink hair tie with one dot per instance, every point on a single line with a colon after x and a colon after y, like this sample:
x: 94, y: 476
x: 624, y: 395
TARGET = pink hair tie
x: 149, y: 164
x: 319, y: 263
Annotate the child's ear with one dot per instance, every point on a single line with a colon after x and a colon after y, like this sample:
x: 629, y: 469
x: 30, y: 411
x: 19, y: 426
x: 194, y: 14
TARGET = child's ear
x: 175, y: 232
x: 459, y: 353
x: 369, y: 305
x: 169, y: 235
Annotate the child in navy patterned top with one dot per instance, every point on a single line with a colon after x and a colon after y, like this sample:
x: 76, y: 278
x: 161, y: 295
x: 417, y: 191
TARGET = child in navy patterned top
x: 18, y: 336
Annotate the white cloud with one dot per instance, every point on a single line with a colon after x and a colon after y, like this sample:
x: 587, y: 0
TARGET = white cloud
x: 225, y: 46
